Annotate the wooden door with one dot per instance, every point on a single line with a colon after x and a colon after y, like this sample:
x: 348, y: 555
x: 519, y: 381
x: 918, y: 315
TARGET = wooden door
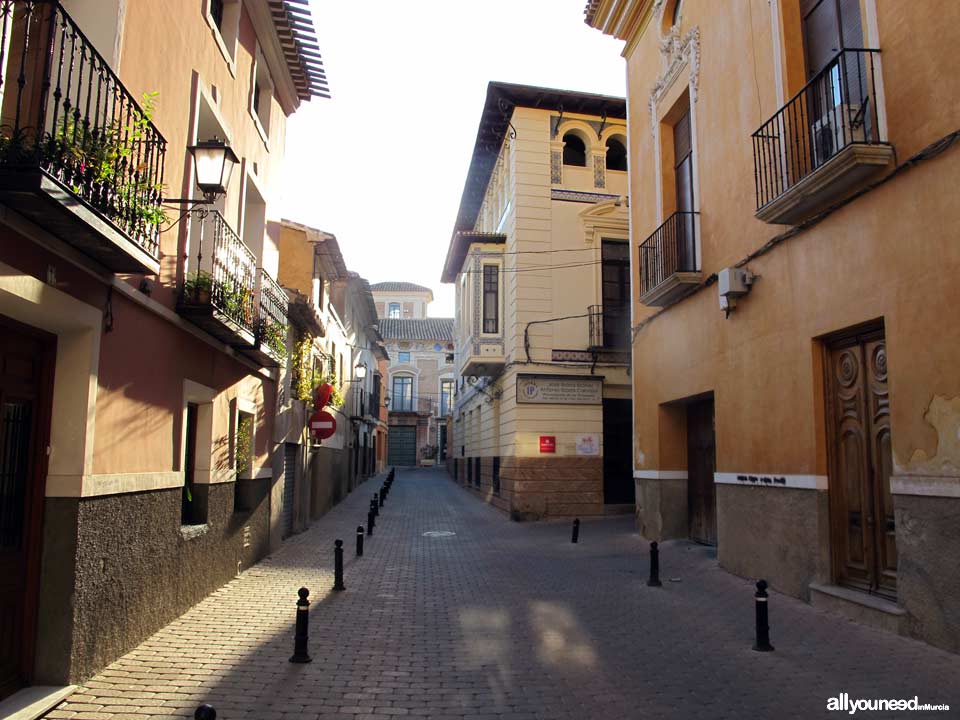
x: 863, y: 529
x: 701, y: 464
x: 26, y: 380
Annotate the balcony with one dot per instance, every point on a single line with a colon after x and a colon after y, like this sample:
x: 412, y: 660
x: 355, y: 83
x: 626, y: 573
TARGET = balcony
x: 218, y: 293
x: 78, y: 154
x: 823, y: 144
x: 420, y: 405
x: 668, y: 261
x: 609, y: 332
x: 270, y: 326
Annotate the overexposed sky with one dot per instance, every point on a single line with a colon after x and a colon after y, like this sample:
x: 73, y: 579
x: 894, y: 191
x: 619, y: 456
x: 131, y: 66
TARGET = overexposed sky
x: 382, y: 164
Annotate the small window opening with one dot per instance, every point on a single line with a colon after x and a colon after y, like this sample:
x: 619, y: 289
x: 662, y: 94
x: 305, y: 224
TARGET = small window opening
x: 616, y: 155
x: 574, y: 151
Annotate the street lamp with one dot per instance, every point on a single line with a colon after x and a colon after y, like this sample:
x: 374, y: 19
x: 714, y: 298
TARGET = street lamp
x: 386, y: 401
x: 215, y: 162
x: 360, y: 372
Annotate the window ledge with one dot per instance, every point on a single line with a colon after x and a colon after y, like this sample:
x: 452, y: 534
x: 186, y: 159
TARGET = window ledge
x: 259, y: 126
x: 189, y: 532
x: 218, y: 38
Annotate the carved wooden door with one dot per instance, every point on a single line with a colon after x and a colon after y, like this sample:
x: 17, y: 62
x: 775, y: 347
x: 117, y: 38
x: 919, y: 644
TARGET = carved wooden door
x: 862, y: 519
x: 701, y: 464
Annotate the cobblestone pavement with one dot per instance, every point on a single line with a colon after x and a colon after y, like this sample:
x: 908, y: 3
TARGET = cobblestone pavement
x: 502, y: 621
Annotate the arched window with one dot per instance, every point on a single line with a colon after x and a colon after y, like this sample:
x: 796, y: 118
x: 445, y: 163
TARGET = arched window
x: 616, y: 155
x: 574, y: 151
x: 675, y: 15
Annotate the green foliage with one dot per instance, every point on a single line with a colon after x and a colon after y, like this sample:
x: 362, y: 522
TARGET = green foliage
x: 336, y: 397
x: 198, y: 284
x: 236, y: 301
x: 275, y: 336
x: 244, y: 444
x: 301, y: 386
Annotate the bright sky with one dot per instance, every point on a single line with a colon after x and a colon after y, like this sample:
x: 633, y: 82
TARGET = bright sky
x: 383, y: 163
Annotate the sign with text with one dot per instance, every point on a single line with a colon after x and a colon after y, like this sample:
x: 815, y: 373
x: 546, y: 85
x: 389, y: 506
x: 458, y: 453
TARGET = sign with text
x: 548, y: 444
x: 559, y: 389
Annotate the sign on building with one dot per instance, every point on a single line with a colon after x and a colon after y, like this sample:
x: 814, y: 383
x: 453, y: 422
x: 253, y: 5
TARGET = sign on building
x: 559, y: 389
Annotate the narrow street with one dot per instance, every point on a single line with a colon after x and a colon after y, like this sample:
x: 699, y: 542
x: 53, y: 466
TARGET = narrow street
x: 501, y: 620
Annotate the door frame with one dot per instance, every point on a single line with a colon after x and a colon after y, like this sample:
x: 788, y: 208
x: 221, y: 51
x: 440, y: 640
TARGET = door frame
x: 700, y: 400
x: 33, y: 526
x: 868, y: 330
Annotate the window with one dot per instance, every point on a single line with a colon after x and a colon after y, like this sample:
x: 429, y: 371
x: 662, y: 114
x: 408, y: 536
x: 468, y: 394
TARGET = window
x: 496, y: 476
x: 402, y: 393
x: 616, y: 155
x: 683, y: 177
x: 403, y: 356
x: 394, y: 310
x: 188, y: 508
x: 261, y: 95
x: 224, y: 17
x: 446, y: 396
x: 491, y: 299
x: 675, y: 15
x: 476, y: 472
x: 574, y: 151
x: 216, y: 12
x: 615, y: 279
x: 243, y: 460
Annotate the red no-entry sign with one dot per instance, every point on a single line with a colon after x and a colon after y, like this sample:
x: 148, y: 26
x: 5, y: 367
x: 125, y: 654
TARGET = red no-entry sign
x: 548, y: 443
x: 322, y: 425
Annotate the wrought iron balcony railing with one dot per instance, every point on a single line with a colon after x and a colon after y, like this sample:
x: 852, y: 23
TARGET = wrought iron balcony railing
x: 272, y: 320
x: 835, y: 110
x: 66, y: 113
x: 609, y: 327
x: 671, y: 248
x: 220, y: 285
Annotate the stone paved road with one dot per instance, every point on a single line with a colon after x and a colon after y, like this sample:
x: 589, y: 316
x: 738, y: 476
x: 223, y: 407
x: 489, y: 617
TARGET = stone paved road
x: 502, y: 621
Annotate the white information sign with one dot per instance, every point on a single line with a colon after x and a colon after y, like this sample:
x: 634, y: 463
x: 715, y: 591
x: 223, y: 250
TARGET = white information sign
x: 559, y: 390
x: 588, y: 445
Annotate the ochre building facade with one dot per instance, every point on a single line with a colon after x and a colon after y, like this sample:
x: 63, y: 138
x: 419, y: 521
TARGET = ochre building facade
x: 796, y: 397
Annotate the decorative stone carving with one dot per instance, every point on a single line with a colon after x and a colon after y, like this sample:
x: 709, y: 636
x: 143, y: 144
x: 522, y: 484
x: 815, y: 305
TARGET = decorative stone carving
x: 676, y: 55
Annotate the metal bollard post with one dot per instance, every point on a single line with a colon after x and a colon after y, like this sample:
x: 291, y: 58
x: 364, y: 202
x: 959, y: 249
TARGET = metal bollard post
x: 576, y: 530
x: 359, y: 540
x: 338, y: 565
x: 300, y: 654
x: 375, y: 504
x: 369, y: 522
x: 763, y: 624
x: 205, y: 712
x: 654, y: 580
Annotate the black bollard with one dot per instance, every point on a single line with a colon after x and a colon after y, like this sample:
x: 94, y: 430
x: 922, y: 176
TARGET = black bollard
x: 576, y: 530
x: 369, y: 522
x: 338, y: 565
x: 375, y: 504
x: 763, y: 624
x: 300, y: 654
x: 205, y: 712
x: 654, y: 580
x: 359, y: 540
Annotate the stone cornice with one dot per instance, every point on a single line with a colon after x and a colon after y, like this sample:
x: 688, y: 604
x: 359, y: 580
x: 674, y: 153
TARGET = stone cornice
x: 623, y: 19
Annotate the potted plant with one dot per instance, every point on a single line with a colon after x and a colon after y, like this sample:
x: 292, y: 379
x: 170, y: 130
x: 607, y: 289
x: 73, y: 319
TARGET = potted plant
x: 428, y: 455
x: 275, y: 338
x: 198, y: 286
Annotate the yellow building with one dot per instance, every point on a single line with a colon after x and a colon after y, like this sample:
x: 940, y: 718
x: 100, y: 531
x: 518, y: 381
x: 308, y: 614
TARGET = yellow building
x: 794, y: 257
x: 539, y: 256
x: 141, y: 343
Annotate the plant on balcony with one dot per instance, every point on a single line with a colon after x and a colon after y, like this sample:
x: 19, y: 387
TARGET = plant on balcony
x: 97, y: 164
x: 300, y: 385
x: 197, y: 287
x: 236, y: 301
x: 275, y: 337
x: 429, y: 452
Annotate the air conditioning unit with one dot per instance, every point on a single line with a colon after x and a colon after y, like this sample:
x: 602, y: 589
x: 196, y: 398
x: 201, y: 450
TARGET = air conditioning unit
x: 839, y: 127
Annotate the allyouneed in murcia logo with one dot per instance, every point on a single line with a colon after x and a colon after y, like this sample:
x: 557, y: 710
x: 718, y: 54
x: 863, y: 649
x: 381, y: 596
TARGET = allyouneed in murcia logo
x: 844, y: 703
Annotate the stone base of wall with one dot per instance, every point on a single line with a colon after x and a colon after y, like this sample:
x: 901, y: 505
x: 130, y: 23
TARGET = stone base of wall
x: 538, y: 488
x: 117, y: 568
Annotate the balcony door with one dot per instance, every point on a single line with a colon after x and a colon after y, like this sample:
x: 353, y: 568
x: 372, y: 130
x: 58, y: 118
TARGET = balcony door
x: 683, y: 177
x: 26, y: 389
x: 615, y: 277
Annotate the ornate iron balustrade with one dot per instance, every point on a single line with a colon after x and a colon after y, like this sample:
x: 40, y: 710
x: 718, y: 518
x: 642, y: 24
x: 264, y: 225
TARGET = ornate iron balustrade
x: 671, y: 248
x: 272, y: 321
x: 836, y: 109
x: 66, y: 112
x: 224, y: 278
x: 609, y: 327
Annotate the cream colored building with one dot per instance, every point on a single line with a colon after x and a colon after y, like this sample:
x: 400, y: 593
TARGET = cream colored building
x: 420, y: 377
x: 793, y: 214
x: 539, y: 257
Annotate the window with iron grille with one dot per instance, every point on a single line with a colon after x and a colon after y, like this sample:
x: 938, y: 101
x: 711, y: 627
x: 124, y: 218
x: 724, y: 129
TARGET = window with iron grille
x: 491, y: 299
x: 496, y: 476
